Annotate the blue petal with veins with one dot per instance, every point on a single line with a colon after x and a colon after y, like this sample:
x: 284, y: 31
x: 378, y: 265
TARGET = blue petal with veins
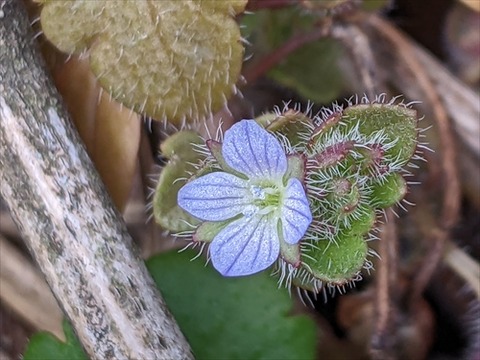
x: 253, y: 151
x: 296, y: 215
x: 216, y: 196
x: 245, y: 246
x: 251, y: 243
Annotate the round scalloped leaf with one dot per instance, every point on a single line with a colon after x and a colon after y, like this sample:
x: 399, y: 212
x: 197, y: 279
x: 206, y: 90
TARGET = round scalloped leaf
x: 178, y: 148
x: 388, y: 192
x: 172, y: 60
x: 399, y: 124
x: 336, y: 261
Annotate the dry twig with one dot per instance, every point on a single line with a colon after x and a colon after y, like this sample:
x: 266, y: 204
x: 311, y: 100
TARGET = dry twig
x: 382, y: 341
x: 25, y: 291
x: 406, y: 52
x: 65, y: 216
x: 358, y: 45
x: 401, y: 47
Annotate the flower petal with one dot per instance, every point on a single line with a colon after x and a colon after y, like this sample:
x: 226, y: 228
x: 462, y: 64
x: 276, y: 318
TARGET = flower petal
x: 216, y: 196
x: 245, y: 246
x: 253, y: 151
x: 296, y: 214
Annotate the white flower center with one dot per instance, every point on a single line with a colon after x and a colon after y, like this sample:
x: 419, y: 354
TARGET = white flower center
x: 258, y: 193
x: 264, y: 199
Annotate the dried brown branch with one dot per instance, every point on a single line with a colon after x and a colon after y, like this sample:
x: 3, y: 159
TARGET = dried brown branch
x: 382, y: 341
x: 65, y: 216
x: 25, y: 291
x: 358, y: 44
x: 403, y: 49
x: 401, y: 53
x: 437, y: 239
x: 464, y: 266
x: 460, y: 101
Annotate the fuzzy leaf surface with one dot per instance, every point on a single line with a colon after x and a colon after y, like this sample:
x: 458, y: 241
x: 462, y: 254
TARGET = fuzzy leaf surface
x: 169, y: 59
x: 339, y: 260
x: 399, y: 124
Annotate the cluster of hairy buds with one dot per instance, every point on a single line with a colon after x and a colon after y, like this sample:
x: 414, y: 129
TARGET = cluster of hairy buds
x: 288, y: 191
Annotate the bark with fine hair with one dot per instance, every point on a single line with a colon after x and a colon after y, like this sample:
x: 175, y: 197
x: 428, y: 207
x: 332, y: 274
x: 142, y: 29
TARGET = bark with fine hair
x: 65, y: 216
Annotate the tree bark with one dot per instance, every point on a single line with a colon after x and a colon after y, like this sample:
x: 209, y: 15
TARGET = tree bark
x: 67, y: 220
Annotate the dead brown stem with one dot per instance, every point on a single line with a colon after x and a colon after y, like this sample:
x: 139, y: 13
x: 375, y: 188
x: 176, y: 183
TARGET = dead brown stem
x: 451, y: 195
x: 451, y: 200
x: 358, y: 44
x: 382, y: 343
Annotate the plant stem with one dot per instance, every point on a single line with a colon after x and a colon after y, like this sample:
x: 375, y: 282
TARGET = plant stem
x: 279, y: 54
x: 65, y: 216
x: 382, y: 341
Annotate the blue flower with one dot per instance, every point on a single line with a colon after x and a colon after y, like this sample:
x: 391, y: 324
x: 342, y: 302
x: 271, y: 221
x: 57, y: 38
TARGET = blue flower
x: 264, y: 207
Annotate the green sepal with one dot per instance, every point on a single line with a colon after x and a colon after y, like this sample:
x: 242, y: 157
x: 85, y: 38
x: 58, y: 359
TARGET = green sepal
x: 372, y: 162
x: 345, y: 196
x: 333, y: 154
x: 215, y: 148
x: 336, y: 261
x: 362, y: 223
x: 265, y: 119
x: 207, y: 231
x: 323, y: 128
x: 295, y: 167
x: 289, y: 252
x: 398, y: 123
x: 182, y: 157
x: 291, y: 124
x: 389, y: 191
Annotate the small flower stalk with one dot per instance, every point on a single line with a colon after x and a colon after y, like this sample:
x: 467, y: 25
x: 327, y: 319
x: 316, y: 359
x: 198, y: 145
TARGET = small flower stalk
x: 295, y: 193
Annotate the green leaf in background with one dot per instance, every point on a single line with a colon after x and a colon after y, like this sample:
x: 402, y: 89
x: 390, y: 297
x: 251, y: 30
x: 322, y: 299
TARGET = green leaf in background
x: 44, y: 345
x: 232, y: 318
x: 313, y: 70
x: 373, y: 5
x: 223, y: 318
